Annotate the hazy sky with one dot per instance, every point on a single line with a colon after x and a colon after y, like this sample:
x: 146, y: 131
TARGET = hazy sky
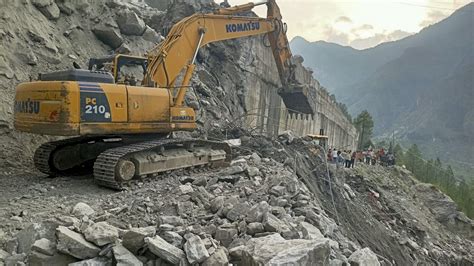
x: 360, y: 23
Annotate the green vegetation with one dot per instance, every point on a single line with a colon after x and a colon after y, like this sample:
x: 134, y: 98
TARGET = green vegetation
x: 364, y: 124
x: 433, y: 171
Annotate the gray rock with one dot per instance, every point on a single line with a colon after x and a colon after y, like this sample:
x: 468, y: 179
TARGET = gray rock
x: 217, y: 203
x: 233, y: 179
x: 123, y: 257
x: 101, y: 233
x: 164, y: 250
x: 218, y: 258
x: 274, y: 250
x: 3, y: 254
x: 257, y: 212
x: 271, y: 223
x: 200, y: 181
x: 310, y: 231
x: 173, y: 238
x: 173, y: 220
x: 186, y: 189
x: 44, y: 246
x: 51, y: 11
x: 195, y: 249
x: 58, y: 259
x: 15, y: 260
x: 255, y: 158
x: 225, y: 235
x: 238, y: 211
x: 5, y: 69
x: 81, y: 209
x: 252, y: 171
x: 99, y: 261
x: 236, y: 253
x: 42, y: 3
x: 130, y: 24
x: 364, y: 257
x: 65, y: 7
x: 233, y: 170
x: 134, y: 239
x: 152, y: 36
x: 74, y: 244
x: 108, y: 35
x: 27, y: 237
x: 277, y: 191
x: 255, y: 228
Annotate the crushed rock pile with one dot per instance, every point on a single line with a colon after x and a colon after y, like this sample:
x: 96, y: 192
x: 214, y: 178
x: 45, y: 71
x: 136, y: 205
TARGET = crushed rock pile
x: 272, y: 206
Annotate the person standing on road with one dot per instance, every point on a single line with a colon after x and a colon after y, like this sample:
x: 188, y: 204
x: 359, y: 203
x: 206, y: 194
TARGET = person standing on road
x: 353, y: 158
x: 335, y: 155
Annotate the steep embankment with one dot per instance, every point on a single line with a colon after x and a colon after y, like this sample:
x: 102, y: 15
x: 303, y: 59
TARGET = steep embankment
x: 419, y: 87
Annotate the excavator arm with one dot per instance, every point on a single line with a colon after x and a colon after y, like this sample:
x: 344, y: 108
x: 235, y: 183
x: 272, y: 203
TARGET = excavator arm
x: 177, y: 53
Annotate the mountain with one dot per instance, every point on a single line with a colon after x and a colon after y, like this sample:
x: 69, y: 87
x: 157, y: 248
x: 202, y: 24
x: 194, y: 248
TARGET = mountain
x: 420, y: 87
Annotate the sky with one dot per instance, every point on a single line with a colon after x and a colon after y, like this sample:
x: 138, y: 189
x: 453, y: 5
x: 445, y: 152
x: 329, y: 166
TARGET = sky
x: 359, y: 23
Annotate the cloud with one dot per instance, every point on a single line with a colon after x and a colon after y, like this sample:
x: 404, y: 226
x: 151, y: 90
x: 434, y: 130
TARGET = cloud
x: 344, y: 19
x: 432, y: 17
x: 378, y: 38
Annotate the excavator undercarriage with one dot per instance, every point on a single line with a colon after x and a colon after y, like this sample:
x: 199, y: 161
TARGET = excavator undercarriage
x: 116, y: 160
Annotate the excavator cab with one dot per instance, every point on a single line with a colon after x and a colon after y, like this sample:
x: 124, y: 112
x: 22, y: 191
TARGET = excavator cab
x: 126, y: 69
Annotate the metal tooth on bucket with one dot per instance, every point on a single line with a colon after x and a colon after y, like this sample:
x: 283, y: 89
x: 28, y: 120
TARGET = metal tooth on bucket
x: 298, y: 99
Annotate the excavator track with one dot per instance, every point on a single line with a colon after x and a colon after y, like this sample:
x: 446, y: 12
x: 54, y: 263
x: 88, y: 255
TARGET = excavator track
x: 107, y: 163
x: 42, y: 156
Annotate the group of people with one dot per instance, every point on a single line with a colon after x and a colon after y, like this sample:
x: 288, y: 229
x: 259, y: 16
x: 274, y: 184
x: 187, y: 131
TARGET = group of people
x: 347, y: 158
x: 341, y: 158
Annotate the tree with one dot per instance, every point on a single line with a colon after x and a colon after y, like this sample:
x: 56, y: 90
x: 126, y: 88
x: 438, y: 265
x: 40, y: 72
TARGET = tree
x: 413, y: 160
x: 364, y: 125
x: 399, y: 155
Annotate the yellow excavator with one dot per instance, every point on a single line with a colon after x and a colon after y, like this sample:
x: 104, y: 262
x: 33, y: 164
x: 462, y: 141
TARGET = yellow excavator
x: 120, y: 125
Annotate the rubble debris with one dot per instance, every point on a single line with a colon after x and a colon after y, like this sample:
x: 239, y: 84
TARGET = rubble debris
x: 108, y: 35
x: 364, y: 257
x: 124, y: 257
x: 130, y: 23
x: 74, y: 244
x: 44, y: 246
x: 195, y: 250
x: 164, y: 250
x: 101, y: 233
x: 134, y: 239
x: 81, y: 209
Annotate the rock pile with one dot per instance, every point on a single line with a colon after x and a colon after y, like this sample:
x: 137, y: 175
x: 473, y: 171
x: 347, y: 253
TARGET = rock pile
x: 254, y: 212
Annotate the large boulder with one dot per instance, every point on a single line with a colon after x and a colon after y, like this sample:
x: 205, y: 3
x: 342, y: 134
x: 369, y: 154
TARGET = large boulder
x: 27, y: 237
x: 99, y: 261
x: 74, y: 244
x: 39, y: 259
x: 48, y: 8
x: 101, y: 233
x: 364, y: 257
x: 108, y: 35
x: 123, y: 257
x: 275, y: 250
x: 217, y: 259
x: 134, y: 239
x: 81, y: 209
x: 130, y: 23
x: 310, y: 231
x: 165, y: 250
x: 196, y: 252
x: 225, y: 235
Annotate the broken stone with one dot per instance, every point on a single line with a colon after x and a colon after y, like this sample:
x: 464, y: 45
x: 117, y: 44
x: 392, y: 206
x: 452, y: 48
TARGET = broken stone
x: 200, y: 181
x: 134, y: 239
x: 173, y: 220
x: 310, y: 231
x: 123, y: 257
x: 3, y: 254
x: 196, y: 251
x: 81, y: 209
x: 364, y: 257
x: 101, y: 233
x: 44, y: 246
x: 233, y: 170
x: 252, y: 171
x: 254, y: 228
x: 50, y: 11
x: 130, y: 24
x: 109, y: 36
x: 5, y: 69
x: 27, y: 237
x: 238, y: 211
x: 218, y: 258
x: 15, y: 260
x: 164, y: 250
x: 271, y: 223
x: 255, y: 158
x: 277, y: 191
x: 173, y: 238
x: 58, y: 259
x: 74, y: 244
x: 217, y: 203
x: 225, y: 235
x: 186, y: 189
x: 65, y: 7
x: 274, y: 250
x: 236, y: 253
x: 229, y: 179
x: 99, y: 261
x: 152, y: 36
x: 257, y: 212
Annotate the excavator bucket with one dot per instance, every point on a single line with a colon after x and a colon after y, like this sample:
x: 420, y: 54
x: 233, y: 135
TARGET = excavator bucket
x: 298, y: 99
